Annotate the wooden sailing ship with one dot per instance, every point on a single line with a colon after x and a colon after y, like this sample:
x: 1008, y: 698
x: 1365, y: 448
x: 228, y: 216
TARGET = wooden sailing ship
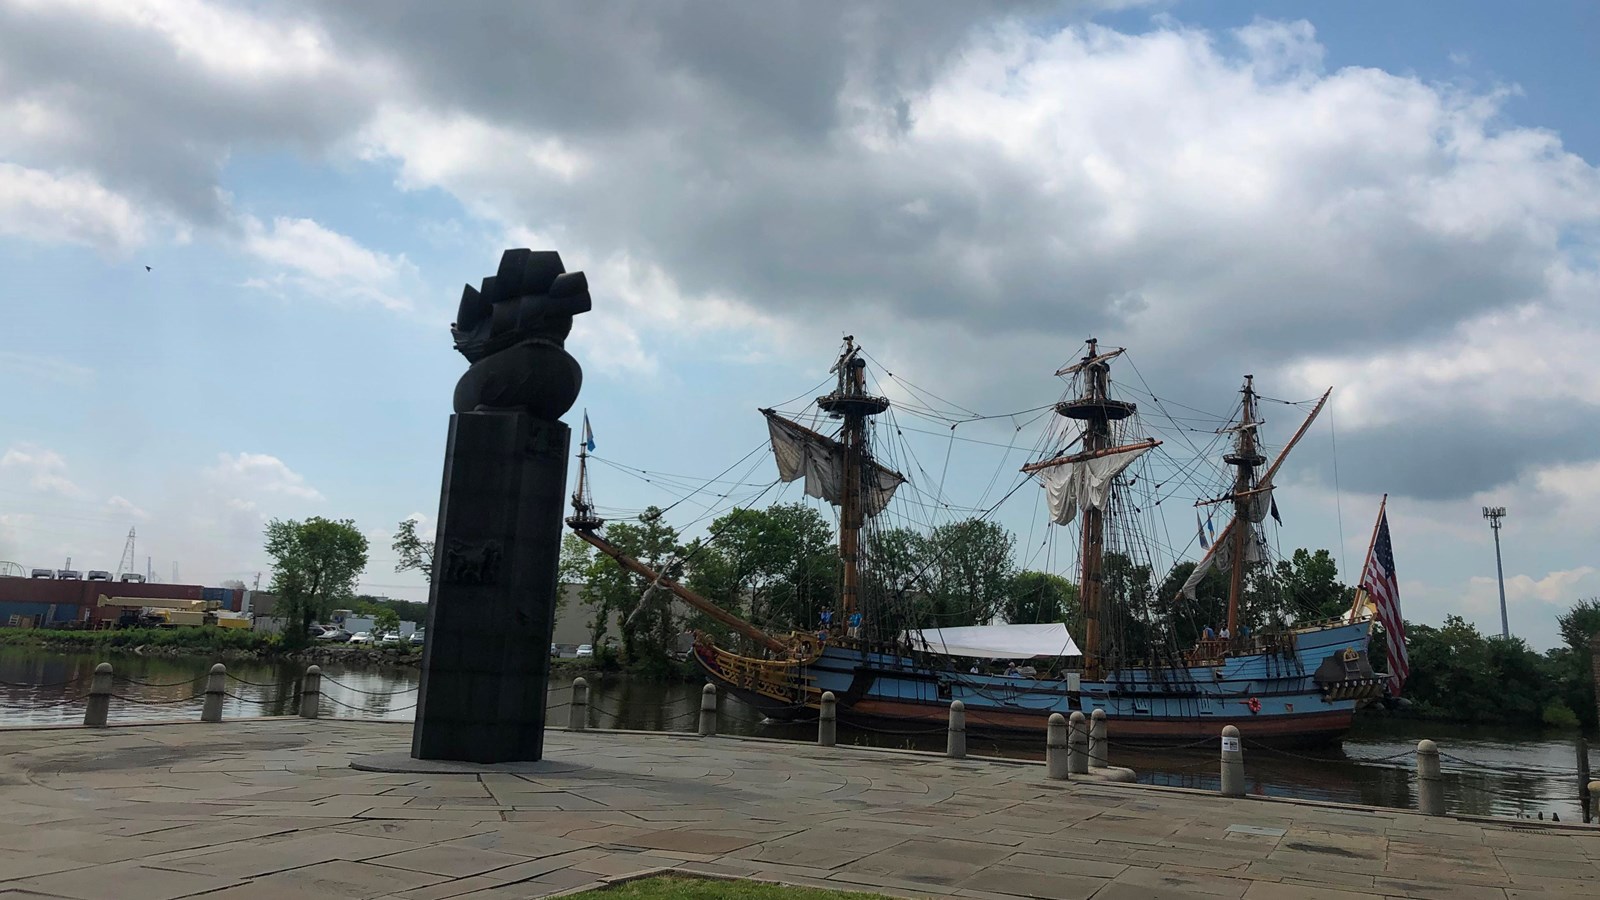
x: 1295, y: 684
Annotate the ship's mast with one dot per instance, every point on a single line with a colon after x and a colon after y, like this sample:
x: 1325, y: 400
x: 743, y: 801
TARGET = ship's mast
x: 1096, y: 411
x: 1244, y: 459
x: 850, y: 402
x: 583, y: 517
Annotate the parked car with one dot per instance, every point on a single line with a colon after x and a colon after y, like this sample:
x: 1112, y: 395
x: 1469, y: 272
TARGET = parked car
x: 390, y: 639
x: 333, y: 635
x: 361, y: 637
x: 417, y: 639
x: 585, y: 650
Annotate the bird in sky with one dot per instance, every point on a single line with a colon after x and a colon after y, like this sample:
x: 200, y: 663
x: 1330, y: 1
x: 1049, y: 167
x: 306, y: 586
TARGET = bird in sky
x: 147, y: 268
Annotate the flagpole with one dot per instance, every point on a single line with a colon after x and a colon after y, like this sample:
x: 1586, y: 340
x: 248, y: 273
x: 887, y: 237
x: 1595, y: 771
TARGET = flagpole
x: 1361, y: 591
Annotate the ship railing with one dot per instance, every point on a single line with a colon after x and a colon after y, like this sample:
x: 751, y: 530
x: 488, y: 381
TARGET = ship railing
x: 778, y: 679
x: 1218, y: 649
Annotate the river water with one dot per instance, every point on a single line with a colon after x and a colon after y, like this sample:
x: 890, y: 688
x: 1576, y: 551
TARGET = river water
x: 1488, y: 771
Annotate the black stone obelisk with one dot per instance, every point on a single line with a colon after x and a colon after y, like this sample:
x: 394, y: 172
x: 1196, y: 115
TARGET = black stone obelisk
x: 486, y: 659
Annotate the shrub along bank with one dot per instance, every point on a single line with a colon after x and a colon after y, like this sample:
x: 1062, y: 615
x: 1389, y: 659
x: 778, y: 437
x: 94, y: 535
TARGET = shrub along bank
x: 226, y: 643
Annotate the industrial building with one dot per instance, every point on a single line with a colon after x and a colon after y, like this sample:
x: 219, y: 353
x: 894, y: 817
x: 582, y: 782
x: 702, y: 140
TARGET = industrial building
x: 57, y: 603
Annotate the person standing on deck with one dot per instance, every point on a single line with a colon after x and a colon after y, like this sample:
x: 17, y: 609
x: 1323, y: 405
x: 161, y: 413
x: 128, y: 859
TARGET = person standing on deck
x: 854, y: 629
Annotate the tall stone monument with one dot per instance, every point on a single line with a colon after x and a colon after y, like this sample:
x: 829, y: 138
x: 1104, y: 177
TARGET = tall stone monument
x: 487, y: 657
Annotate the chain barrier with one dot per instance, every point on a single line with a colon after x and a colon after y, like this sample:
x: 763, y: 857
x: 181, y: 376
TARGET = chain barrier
x: 156, y: 684
x: 363, y: 709
x: 356, y: 690
x: 47, y: 704
x: 942, y: 729
x: 52, y: 684
x: 1157, y: 748
x: 141, y: 702
x: 259, y: 684
x: 261, y: 701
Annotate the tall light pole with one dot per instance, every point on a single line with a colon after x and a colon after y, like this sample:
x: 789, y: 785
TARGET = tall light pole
x: 1494, y: 514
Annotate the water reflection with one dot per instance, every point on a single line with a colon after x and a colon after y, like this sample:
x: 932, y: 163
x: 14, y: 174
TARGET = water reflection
x: 1487, y: 771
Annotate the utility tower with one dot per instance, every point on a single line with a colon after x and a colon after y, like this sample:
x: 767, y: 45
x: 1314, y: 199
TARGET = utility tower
x: 126, y: 564
x: 1494, y: 514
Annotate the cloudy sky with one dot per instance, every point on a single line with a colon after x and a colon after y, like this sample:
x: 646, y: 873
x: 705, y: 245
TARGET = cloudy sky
x: 1395, y: 201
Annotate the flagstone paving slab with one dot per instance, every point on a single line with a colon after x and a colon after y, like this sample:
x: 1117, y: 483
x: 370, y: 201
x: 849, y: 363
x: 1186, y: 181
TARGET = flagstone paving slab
x: 270, y: 808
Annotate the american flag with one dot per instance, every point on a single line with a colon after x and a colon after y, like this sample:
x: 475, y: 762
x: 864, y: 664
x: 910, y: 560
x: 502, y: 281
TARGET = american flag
x: 1384, y: 588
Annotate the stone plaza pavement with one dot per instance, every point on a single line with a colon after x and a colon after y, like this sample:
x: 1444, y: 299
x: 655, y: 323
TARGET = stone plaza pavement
x: 272, y: 809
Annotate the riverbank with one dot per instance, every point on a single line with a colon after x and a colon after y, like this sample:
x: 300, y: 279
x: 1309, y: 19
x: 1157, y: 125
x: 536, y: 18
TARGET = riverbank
x: 213, y: 644
x: 272, y: 808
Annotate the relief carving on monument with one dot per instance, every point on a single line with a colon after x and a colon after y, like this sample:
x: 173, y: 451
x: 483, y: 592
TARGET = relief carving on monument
x: 472, y: 562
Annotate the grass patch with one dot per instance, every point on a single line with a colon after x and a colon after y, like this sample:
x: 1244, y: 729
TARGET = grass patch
x: 680, y: 887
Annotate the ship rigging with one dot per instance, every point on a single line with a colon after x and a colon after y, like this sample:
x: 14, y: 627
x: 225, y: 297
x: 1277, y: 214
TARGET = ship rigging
x: 1145, y: 656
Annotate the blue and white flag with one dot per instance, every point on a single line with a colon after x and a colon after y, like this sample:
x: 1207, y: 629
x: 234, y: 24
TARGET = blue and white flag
x: 1204, y: 544
x: 588, y: 433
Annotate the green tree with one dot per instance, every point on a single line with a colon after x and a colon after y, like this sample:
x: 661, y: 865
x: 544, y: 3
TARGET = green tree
x: 412, y: 550
x: 1579, y: 624
x: 1310, y: 586
x: 1128, y: 606
x: 644, y: 613
x: 775, y: 566
x: 315, y: 565
x: 386, y: 621
x: 1037, y: 597
x: 572, y: 567
x: 896, y: 590
x: 969, y: 572
x: 1186, y: 618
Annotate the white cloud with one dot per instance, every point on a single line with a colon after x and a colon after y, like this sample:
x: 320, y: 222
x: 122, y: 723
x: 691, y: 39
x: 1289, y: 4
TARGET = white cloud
x: 121, y: 507
x: 218, y: 39
x: 69, y: 208
x: 259, y: 473
x: 44, y: 469
x: 1532, y: 604
x: 326, y: 263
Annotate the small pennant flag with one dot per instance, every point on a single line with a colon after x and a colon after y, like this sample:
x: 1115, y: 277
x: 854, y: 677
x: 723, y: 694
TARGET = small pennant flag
x: 588, y: 433
x: 1275, y: 511
x: 1204, y: 544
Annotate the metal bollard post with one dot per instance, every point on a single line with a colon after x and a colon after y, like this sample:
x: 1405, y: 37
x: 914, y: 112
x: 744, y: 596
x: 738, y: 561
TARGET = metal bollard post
x: 1099, y: 751
x: 1232, y: 763
x: 1430, y: 784
x: 311, y: 693
x: 94, y: 715
x: 828, y: 721
x: 578, y: 712
x: 1077, y: 744
x: 1585, y: 798
x: 216, y: 686
x: 955, y: 745
x: 708, y: 711
x: 1055, y: 748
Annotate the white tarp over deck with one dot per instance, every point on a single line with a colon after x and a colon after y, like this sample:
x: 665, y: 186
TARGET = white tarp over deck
x: 996, y: 641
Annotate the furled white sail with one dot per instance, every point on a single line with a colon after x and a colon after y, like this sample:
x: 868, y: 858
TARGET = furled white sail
x: 1085, y: 484
x: 1259, y: 504
x: 996, y: 641
x: 1221, y: 557
x: 802, y: 453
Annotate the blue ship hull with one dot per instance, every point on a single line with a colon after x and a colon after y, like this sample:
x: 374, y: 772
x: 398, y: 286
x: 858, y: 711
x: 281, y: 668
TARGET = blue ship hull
x: 1303, y: 693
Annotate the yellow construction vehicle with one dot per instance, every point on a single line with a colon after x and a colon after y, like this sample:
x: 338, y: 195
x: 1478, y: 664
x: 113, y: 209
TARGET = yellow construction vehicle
x: 165, y: 611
